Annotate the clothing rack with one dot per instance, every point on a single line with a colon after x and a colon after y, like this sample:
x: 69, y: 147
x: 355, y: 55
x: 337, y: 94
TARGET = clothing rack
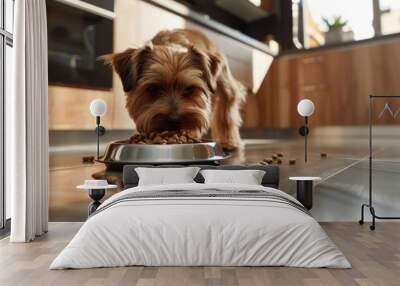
x: 370, y: 201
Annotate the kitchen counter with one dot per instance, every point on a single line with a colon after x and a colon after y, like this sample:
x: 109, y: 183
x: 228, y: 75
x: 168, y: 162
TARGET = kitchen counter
x: 344, y: 172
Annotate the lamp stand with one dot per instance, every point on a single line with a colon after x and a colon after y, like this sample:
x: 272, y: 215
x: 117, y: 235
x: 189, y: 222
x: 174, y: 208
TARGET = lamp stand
x: 303, y: 131
x: 305, y: 139
x: 100, y: 131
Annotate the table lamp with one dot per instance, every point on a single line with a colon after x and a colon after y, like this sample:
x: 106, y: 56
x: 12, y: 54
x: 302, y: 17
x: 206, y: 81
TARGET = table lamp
x: 98, y: 108
x: 305, y: 108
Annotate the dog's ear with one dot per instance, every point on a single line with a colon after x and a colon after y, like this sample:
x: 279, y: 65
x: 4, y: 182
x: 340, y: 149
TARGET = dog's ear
x: 129, y: 65
x: 122, y: 63
x: 211, y: 65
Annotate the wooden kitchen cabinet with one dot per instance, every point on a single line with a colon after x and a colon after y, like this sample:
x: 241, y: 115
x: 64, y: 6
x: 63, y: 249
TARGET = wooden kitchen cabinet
x: 337, y: 80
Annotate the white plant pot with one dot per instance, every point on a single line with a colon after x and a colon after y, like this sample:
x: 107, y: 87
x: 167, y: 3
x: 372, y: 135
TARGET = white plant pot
x: 338, y: 36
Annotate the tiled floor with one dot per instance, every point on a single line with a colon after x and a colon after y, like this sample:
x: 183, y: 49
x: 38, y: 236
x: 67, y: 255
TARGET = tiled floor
x: 337, y: 197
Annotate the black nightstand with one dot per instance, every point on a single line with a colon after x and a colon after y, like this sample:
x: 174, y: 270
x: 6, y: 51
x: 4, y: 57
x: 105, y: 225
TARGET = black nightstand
x: 305, y: 190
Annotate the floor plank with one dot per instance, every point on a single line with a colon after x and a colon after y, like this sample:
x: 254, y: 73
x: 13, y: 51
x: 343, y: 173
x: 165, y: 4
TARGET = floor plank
x: 375, y: 257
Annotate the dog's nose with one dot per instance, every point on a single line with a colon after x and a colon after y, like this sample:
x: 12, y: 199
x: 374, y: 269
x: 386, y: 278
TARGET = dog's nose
x: 174, y: 119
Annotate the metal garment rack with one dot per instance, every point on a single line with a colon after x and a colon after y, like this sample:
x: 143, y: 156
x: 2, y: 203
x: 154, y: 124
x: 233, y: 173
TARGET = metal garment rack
x: 370, y: 203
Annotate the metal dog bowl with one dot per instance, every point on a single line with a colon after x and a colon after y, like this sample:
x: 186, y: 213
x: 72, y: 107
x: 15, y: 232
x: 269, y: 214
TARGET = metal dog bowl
x: 121, y: 153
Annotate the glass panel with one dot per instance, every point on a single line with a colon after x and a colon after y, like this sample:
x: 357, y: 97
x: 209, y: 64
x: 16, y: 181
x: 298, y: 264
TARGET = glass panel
x: 1, y: 14
x: 8, y: 88
x: 385, y: 163
x: 9, y: 13
x: 389, y: 11
x: 76, y: 39
x: 2, y: 205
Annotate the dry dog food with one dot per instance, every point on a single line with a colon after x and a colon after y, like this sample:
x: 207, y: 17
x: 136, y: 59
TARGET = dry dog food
x: 165, y: 137
x: 268, y: 160
x: 88, y: 159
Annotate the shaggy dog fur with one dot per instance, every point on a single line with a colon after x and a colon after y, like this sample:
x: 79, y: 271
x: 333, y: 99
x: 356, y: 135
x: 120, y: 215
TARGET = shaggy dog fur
x: 181, y: 81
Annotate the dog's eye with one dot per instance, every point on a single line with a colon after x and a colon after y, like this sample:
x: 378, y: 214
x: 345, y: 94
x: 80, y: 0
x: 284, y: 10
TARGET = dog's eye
x: 154, y: 90
x: 189, y: 91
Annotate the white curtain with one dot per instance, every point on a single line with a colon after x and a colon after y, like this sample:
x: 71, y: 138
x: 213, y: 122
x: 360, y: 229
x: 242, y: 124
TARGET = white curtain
x: 26, y: 124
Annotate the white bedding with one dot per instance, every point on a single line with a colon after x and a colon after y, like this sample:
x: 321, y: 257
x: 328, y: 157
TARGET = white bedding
x: 200, y: 231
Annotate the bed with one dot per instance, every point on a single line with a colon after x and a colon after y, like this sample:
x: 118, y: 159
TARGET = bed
x: 198, y: 224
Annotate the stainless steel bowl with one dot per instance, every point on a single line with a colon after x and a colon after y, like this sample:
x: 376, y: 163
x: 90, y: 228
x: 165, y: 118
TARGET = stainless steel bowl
x: 122, y: 153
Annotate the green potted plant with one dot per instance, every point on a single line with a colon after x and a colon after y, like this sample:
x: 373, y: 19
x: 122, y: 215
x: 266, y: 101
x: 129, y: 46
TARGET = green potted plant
x: 336, y: 33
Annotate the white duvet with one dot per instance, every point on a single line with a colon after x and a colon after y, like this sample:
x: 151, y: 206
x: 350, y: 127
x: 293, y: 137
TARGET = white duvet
x: 200, y: 231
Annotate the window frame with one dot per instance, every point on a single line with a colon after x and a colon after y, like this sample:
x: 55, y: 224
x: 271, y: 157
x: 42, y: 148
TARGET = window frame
x: 6, y: 39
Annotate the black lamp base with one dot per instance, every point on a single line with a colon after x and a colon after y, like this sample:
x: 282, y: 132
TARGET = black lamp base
x: 101, y: 130
x: 303, y: 130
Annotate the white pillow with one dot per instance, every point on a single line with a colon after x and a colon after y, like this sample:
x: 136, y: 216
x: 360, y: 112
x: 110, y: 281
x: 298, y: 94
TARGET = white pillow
x: 248, y: 177
x: 163, y: 176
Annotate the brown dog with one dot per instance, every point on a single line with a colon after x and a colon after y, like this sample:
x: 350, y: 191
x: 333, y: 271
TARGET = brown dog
x: 180, y: 81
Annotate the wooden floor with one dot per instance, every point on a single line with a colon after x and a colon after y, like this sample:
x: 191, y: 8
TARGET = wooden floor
x: 375, y: 257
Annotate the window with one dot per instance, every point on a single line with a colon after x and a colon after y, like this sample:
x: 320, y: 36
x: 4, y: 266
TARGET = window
x: 389, y: 15
x: 335, y: 22
x: 9, y: 15
x: 6, y: 43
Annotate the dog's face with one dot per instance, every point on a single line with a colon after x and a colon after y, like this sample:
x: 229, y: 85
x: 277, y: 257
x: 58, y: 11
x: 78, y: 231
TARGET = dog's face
x: 168, y: 88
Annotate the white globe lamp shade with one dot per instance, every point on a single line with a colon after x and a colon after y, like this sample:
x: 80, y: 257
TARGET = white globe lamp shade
x: 98, y: 107
x: 305, y: 107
